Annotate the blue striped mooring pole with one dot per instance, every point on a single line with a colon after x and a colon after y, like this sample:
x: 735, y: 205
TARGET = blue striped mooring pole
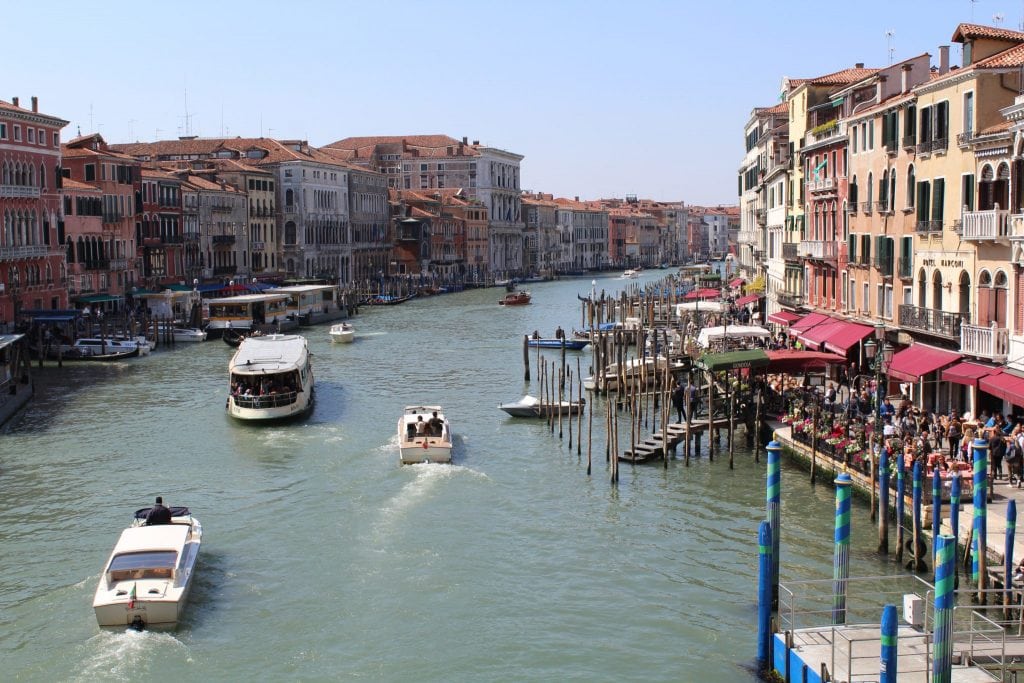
x: 890, y: 626
x: 774, y: 493
x: 841, y: 559
x: 917, y: 564
x: 1011, y: 528
x: 764, y: 595
x: 883, y: 502
x: 942, y: 647
x: 980, y: 517
x: 954, y: 519
x: 936, y: 509
x: 901, y: 504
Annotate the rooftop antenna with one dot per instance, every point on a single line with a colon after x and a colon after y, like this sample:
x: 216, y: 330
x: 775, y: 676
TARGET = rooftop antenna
x: 889, y: 35
x: 188, y: 117
x: 90, y: 117
x: 997, y: 19
x: 222, y: 120
x: 156, y: 135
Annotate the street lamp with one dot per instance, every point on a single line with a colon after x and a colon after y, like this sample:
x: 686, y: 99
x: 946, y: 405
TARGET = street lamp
x: 879, y: 364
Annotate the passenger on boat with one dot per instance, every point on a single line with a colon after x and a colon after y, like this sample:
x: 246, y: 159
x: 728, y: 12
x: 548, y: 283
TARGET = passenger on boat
x: 421, y: 426
x: 436, y: 425
x: 158, y: 514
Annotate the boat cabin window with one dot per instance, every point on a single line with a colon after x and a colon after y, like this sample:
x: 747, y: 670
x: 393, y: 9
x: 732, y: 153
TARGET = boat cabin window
x: 157, y: 564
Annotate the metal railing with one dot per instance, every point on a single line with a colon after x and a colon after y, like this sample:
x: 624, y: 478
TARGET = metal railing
x: 964, y: 139
x: 985, y: 341
x: 865, y: 207
x: 939, y: 323
x: 908, y: 141
x: 822, y: 250
x: 789, y: 251
x: 884, y: 264
x: 906, y: 268
x: 986, y: 225
x: 271, y: 401
x: 18, y: 192
x: 790, y: 299
x: 223, y: 239
x: 23, y: 251
x: 928, y: 226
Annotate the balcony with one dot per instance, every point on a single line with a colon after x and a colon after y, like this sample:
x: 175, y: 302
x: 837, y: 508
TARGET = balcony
x: 883, y: 207
x: 118, y: 264
x: 929, y: 146
x: 173, y: 239
x: 257, y: 246
x: 826, y: 131
x: 762, y: 216
x: 989, y: 342
x: 191, y: 236
x: 789, y: 251
x: 789, y: 299
x: 986, y: 225
x: 908, y: 142
x: 819, y: 250
x: 101, y: 264
x: 930, y: 321
x: 865, y: 207
x: 883, y: 265
x: 906, y: 268
x: 821, y: 185
x: 18, y: 192
x: 964, y: 139
x: 221, y: 208
x: 221, y: 240
x: 23, y: 252
x: 928, y: 226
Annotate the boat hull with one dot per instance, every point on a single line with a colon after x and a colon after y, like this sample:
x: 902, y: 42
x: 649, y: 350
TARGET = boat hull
x: 343, y: 337
x: 266, y: 409
x: 436, y: 451
x: 152, y: 613
x: 570, y: 344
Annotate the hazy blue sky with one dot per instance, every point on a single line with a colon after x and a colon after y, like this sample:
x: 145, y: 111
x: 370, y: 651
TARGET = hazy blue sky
x: 602, y: 98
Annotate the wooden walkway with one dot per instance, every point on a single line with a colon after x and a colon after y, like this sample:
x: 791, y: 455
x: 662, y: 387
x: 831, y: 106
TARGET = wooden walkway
x: 654, y: 447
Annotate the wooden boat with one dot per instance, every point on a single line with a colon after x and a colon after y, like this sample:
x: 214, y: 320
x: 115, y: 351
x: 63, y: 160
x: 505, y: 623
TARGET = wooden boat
x: 570, y: 344
x: 531, y: 406
x: 515, y: 299
x: 388, y: 300
x: 270, y: 378
x: 233, y: 337
x: 421, y: 444
x: 147, y: 579
x: 342, y: 333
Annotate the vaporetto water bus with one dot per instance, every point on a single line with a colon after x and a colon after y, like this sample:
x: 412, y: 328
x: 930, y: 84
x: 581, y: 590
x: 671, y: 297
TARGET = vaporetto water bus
x: 245, y: 312
x: 271, y: 378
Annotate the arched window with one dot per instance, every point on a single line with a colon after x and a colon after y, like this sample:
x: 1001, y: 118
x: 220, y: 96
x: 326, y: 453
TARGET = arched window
x: 911, y: 190
x: 289, y: 197
x: 892, y: 191
x: 870, y: 190
x: 289, y: 232
x: 922, y: 285
x: 853, y: 192
x: 937, y: 290
x: 846, y: 222
x: 999, y: 294
x: 965, y: 294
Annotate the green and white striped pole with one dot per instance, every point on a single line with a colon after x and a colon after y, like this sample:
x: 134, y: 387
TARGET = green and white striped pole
x: 774, y: 494
x: 841, y: 558
x: 936, y: 509
x: 954, y: 519
x: 901, y: 503
x: 942, y: 648
x: 980, y: 514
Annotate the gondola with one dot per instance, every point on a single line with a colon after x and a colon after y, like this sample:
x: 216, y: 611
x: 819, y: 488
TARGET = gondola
x: 234, y: 337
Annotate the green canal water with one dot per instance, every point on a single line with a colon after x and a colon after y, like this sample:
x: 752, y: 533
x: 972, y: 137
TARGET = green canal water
x: 323, y: 559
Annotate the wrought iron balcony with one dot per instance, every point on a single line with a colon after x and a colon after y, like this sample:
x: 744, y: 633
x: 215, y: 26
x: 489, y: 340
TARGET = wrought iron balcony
x: 883, y: 264
x: 928, y: 226
x: 931, y: 321
x: 989, y: 342
x: 223, y: 239
x: 23, y: 252
x: 222, y: 208
x: 986, y: 225
x: 908, y: 142
x: 257, y: 246
x: 789, y: 251
x: 101, y: 264
x: 964, y: 139
x: 18, y: 192
x: 118, y: 264
x: 820, y: 250
x: 789, y: 299
x: 865, y: 207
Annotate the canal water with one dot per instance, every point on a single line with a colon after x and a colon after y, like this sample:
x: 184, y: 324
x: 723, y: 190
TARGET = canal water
x: 324, y: 559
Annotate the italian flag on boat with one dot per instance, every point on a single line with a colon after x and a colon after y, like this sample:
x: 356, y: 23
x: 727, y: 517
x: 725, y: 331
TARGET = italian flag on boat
x: 131, y: 596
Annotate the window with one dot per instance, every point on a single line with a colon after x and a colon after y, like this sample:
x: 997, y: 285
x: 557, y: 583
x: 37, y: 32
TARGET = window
x: 31, y: 132
x: 3, y: 131
x: 967, y: 191
x: 90, y: 173
x: 853, y: 295
x: 911, y: 187
x: 17, y: 133
x: 871, y: 134
x: 969, y: 113
x: 56, y: 139
x: 923, y: 200
x: 41, y: 137
x: 910, y: 123
x: 879, y: 299
x: 854, y: 139
x: 866, y: 298
x: 938, y: 199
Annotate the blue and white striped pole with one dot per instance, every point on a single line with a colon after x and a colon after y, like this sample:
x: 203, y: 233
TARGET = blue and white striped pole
x: 841, y: 558
x: 917, y: 564
x: 942, y: 648
x: 774, y: 493
x: 936, y: 509
x: 980, y: 516
x: 954, y: 520
x: 1011, y: 528
x: 764, y: 594
x: 901, y: 504
x: 890, y: 629
x: 883, y: 502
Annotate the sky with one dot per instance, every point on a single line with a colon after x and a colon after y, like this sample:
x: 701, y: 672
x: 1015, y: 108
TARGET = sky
x: 603, y: 99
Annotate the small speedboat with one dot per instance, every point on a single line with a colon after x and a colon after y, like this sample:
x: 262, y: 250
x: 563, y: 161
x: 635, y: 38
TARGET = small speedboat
x: 146, y: 580
x: 570, y: 344
x: 431, y: 442
x: 630, y: 275
x: 183, y: 335
x: 531, y: 406
x: 343, y: 333
x: 515, y: 299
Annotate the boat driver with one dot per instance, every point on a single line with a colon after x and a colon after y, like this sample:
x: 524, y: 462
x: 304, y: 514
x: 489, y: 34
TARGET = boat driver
x: 435, y: 425
x: 158, y: 514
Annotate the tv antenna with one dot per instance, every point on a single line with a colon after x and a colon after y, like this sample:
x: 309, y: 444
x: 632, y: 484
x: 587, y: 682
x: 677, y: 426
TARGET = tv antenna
x: 997, y: 19
x: 889, y: 35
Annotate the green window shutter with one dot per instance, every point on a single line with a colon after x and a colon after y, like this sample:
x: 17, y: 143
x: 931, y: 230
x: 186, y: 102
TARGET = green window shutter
x: 852, y: 248
x: 968, y: 192
x: 923, y: 196
x: 938, y: 197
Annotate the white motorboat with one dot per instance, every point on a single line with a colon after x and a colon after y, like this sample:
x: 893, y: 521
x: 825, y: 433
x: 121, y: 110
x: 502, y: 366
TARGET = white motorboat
x: 649, y: 371
x: 343, y: 333
x: 424, y: 435
x: 531, y: 406
x: 270, y: 378
x: 182, y: 335
x: 146, y: 580
x: 630, y: 274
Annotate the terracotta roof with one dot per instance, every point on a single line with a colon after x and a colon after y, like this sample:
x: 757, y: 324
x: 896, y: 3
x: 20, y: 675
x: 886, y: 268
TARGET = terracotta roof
x: 210, y: 186
x: 1000, y: 127
x: 148, y: 172
x: 80, y: 152
x: 1011, y: 58
x: 780, y: 108
x: 965, y: 32
x: 276, y: 151
x: 71, y: 184
x: 233, y: 165
x: 843, y: 77
x: 429, y: 146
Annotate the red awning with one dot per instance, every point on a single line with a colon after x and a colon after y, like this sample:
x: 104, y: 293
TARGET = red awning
x: 737, y: 282
x: 748, y: 299
x: 846, y: 337
x: 807, y: 322
x: 703, y: 294
x: 1005, y: 385
x: 815, y: 336
x: 968, y: 374
x: 793, y: 361
x: 914, y: 362
x: 783, y: 318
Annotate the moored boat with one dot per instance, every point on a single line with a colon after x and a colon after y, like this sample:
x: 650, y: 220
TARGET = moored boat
x: 515, y: 299
x: 271, y: 378
x: 147, y: 579
x: 570, y: 344
x: 343, y: 333
x: 183, y: 335
x: 531, y: 406
x: 424, y: 435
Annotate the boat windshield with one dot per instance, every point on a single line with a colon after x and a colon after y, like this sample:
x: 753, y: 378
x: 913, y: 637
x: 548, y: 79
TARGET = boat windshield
x: 153, y: 564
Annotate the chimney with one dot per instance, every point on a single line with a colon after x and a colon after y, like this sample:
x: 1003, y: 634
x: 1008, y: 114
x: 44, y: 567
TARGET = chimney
x: 465, y: 140
x: 943, y: 59
x: 577, y: 197
x: 14, y: 101
x: 476, y: 142
x: 35, y: 104
x: 858, y: 65
x: 879, y: 87
x: 905, y: 76
x: 405, y: 145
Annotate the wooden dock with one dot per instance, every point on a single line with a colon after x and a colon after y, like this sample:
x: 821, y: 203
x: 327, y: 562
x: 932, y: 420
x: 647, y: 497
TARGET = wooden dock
x: 653, y: 447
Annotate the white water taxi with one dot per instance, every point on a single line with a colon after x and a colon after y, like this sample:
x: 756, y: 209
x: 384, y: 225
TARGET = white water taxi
x: 630, y: 274
x: 343, y: 333
x: 146, y: 580
x: 424, y: 435
x: 271, y: 378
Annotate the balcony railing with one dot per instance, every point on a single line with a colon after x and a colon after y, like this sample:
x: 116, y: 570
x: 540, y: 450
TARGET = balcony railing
x: 883, y: 206
x: 908, y: 142
x: 18, y: 192
x: 101, y: 264
x: 22, y: 252
x: 964, y: 139
x: 821, y: 185
x: 118, y: 264
x: 929, y: 146
x: 257, y: 246
x: 906, y: 268
x: 826, y: 132
x: 191, y: 236
x: 821, y: 250
x: 883, y: 264
x: 221, y: 208
x: 938, y: 323
x: 223, y: 239
x: 986, y: 225
x: 789, y: 250
x: 112, y: 218
x: 173, y: 239
x: 865, y: 207
x: 761, y: 215
x: 928, y: 226
x: 789, y: 299
x: 989, y: 342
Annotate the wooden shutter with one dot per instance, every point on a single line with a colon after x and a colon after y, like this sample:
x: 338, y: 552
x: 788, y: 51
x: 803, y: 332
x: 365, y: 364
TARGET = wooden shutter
x: 938, y: 197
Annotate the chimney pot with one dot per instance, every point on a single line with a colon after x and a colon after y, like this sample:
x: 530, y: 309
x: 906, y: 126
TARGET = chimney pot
x: 14, y: 101
x: 577, y: 197
x: 905, y: 78
x: 35, y: 103
x: 465, y: 140
x: 476, y: 142
x: 858, y: 65
x: 944, y: 59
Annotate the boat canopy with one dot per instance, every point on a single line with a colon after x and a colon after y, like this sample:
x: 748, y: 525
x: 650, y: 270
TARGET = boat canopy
x: 733, y: 360
x: 732, y: 332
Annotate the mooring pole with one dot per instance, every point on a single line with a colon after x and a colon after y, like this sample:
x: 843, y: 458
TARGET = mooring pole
x: 774, y: 497
x: 764, y: 595
x: 883, y: 502
x: 841, y: 554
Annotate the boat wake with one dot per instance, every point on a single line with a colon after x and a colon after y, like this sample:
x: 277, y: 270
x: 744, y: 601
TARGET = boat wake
x: 124, y: 655
x: 428, y: 478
